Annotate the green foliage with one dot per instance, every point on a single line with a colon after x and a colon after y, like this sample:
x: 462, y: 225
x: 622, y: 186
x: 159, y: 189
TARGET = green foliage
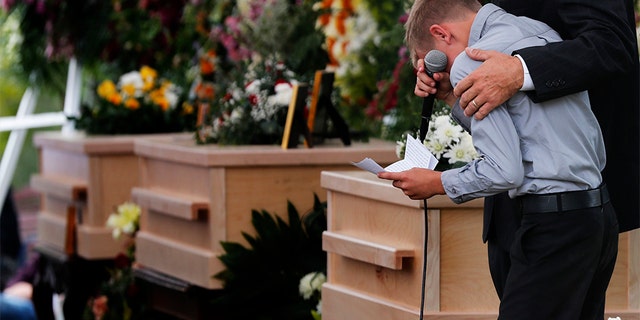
x: 261, y: 281
x: 121, y: 35
x: 285, y: 31
x: 305, y: 55
x: 52, y: 31
x: 105, y: 119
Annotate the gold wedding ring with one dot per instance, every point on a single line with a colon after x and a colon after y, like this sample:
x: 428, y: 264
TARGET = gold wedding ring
x: 475, y: 104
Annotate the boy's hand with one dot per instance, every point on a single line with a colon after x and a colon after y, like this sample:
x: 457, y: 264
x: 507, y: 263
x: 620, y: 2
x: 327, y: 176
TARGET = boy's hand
x: 416, y: 183
x: 426, y: 85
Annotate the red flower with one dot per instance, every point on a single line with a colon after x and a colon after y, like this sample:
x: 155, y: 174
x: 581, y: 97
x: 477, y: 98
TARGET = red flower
x: 253, y: 99
x: 122, y: 261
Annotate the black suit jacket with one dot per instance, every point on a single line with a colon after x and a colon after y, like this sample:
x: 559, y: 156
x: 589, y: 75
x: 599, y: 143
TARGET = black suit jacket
x: 599, y: 54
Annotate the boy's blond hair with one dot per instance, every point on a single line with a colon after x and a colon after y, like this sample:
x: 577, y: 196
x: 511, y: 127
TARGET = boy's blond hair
x: 425, y: 13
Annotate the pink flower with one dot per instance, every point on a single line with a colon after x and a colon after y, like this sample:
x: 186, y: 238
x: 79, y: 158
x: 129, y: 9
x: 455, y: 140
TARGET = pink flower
x: 7, y: 4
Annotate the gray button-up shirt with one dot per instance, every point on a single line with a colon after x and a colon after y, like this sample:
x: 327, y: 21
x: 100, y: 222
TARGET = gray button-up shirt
x: 525, y: 148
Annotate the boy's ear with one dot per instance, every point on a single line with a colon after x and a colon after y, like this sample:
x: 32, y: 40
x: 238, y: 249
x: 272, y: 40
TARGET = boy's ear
x: 440, y: 33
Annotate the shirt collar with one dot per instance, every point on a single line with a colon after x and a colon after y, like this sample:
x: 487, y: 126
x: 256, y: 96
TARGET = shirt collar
x: 484, y: 17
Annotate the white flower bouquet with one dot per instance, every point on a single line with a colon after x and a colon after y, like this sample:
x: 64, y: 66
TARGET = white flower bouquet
x: 447, y: 141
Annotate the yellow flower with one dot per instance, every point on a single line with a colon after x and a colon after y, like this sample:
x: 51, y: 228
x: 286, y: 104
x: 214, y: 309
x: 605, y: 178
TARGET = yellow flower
x: 129, y: 89
x: 125, y: 220
x: 149, y: 76
x: 106, y: 89
x: 187, y: 108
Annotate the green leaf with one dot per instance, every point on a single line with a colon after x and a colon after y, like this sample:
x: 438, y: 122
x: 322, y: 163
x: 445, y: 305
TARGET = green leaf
x: 266, y: 274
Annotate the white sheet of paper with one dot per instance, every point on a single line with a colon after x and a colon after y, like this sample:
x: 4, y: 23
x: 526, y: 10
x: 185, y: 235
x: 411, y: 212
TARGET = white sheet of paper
x: 369, y: 165
x: 416, y: 155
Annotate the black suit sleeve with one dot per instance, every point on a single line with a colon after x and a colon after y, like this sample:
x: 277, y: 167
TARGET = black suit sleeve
x: 599, y: 45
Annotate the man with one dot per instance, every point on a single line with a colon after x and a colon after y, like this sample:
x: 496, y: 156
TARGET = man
x: 599, y: 54
x: 547, y: 155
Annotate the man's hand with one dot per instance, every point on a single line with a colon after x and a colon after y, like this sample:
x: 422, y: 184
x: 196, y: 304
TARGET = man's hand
x: 426, y: 85
x: 416, y: 183
x: 497, y: 79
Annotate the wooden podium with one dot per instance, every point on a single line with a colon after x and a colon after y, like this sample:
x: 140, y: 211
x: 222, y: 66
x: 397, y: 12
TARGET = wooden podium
x: 375, y: 243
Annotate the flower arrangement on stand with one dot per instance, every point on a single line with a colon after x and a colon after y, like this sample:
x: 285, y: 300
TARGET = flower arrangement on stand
x: 253, y: 109
x: 272, y: 47
x: 119, y: 297
x: 372, y: 70
x: 140, y: 102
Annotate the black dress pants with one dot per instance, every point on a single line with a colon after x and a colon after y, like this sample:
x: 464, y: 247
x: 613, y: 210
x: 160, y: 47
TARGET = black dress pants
x: 502, y: 219
x: 561, y: 265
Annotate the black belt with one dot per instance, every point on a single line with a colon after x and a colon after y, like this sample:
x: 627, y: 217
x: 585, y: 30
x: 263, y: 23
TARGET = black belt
x: 564, y: 201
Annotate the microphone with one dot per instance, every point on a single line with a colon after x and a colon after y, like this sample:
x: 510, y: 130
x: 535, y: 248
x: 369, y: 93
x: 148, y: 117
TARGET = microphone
x: 434, y: 61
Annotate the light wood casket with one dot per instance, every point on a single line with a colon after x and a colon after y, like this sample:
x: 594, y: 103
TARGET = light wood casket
x: 375, y: 249
x: 195, y: 196
x: 82, y: 179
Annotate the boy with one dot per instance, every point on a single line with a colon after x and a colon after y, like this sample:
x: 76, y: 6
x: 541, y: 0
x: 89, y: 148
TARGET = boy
x: 548, y: 156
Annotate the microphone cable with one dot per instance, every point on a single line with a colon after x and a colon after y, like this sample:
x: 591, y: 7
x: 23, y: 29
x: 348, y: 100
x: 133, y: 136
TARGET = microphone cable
x: 424, y: 258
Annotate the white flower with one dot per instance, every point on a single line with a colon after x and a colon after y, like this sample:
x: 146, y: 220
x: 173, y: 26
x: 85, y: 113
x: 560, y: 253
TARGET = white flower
x: 445, y: 131
x: 253, y: 87
x: 361, y: 29
x: 401, y: 145
x: 311, y: 283
x: 446, y: 139
x: 236, y: 115
x: 458, y: 153
x: 134, y: 81
x: 284, y: 92
x: 436, y: 147
x: 172, y: 94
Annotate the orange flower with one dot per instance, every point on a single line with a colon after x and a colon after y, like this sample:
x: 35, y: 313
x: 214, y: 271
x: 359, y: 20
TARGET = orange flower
x: 132, y: 104
x: 341, y: 18
x: 115, y: 98
x: 205, y: 90
x: 332, y: 59
x: 347, y: 5
x: 158, y: 98
x: 207, y: 65
x: 201, y: 19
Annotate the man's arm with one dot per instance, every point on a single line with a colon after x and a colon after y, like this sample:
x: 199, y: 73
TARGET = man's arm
x: 600, y: 46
